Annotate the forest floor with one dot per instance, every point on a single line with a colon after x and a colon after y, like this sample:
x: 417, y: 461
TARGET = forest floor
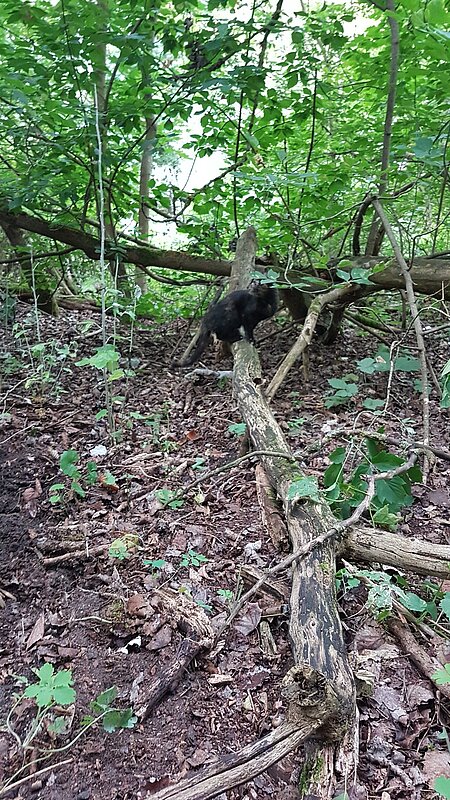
x: 78, y: 585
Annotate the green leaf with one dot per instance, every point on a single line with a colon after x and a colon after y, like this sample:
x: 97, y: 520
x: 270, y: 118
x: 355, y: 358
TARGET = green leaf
x: 442, y: 676
x: 444, y: 605
x: 442, y: 786
x: 101, y: 414
x: 385, y: 518
x: 367, y: 365
x: 114, y: 720
x: 67, y: 460
x: 78, y: 489
x: 372, y: 404
x: 116, y: 375
x: 305, y: 488
x: 238, y: 428
x: 104, y: 699
x: 45, y: 673
x: 64, y: 695
x: 63, y: 678
x: 407, y: 364
x: 106, y: 357
x: 412, y: 602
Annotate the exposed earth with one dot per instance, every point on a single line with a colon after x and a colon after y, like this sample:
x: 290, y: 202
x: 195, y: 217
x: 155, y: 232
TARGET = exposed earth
x: 79, y: 577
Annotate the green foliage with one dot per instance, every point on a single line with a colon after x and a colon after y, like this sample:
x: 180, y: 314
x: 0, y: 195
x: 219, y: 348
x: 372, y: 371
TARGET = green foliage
x: 445, y: 383
x: 225, y: 594
x: 344, y: 392
x: 192, y: 559
x: 155, y: 563
x: 295, y: 425
x: 381, y: 362
x: 306, y: 488
x: 346, y: 492
x: 384, y: 589
x: 442, y: 787
x: 123, y: 547
x: 113, y: 719
x: 105, y: 357
x: 79, y: 477
x: 52, y: 687
x: 442, y: 676
x: 237, y: 428
x: 169, y: 498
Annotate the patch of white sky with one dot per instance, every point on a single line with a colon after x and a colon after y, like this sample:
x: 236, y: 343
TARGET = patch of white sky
x: 192, y: 172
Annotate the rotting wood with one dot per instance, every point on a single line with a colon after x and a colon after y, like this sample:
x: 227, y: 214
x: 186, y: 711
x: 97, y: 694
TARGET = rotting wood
x: 196, y: 628
x: 430, y: 275
x: 383, y: 547
x: 423, y: 661
x: 270, y: 511
x: 320, y: 688
x: 238, y: 768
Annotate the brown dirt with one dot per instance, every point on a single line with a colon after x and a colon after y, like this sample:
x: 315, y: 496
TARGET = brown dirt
x: 79, y: 610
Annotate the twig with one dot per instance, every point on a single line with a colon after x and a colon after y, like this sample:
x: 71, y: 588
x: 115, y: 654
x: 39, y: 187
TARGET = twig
x: 416, y: 323
x: 42, y: 771
x: 229, y: 465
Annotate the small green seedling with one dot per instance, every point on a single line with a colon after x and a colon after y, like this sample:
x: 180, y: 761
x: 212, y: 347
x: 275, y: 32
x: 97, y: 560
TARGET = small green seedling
x: 192, y: 559
x: 52, y: 687
x: 169, y: 498
x: 225, y: 594
x: 344, y: 392
x: 155, y: 564
x: 123, y: 547
x: 113, y: 718
x: 238, y: 428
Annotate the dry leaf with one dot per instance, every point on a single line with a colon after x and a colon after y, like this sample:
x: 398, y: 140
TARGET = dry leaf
x: 38, y: 631
x: 30, y: 496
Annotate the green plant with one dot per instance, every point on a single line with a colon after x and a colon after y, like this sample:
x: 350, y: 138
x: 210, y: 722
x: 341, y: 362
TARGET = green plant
x: 123, y: 547
x: 345, y: 581
x: 113, y: 719
x: 192, y: 559
x: 225, y: 594
x: 68, y: 464
x: 155, y: 563
x: 295, y: 425
x: 345, y: 493
x: 381, y: 362
x: 297, y: 400
x: 442, y: 787
x: 238, y: 428
x: 199, y: 463
x: 52, y: 689
x: 344, y: 392
x: 169, y: 498
x: 383, y: 590
x: 445, y: 383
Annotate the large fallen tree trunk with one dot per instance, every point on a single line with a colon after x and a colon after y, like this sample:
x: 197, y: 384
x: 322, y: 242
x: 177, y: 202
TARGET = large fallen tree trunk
x: 319, y: 689
x: 430, y: 276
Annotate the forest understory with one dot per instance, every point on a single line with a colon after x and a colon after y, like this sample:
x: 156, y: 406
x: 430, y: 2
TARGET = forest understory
x: 80, y: 577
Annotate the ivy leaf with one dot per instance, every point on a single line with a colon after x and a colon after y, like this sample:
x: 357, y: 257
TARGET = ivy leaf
x: 304, y: 489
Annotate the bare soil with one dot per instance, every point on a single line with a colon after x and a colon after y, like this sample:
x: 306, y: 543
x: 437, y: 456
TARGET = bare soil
x: 79, y: 591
